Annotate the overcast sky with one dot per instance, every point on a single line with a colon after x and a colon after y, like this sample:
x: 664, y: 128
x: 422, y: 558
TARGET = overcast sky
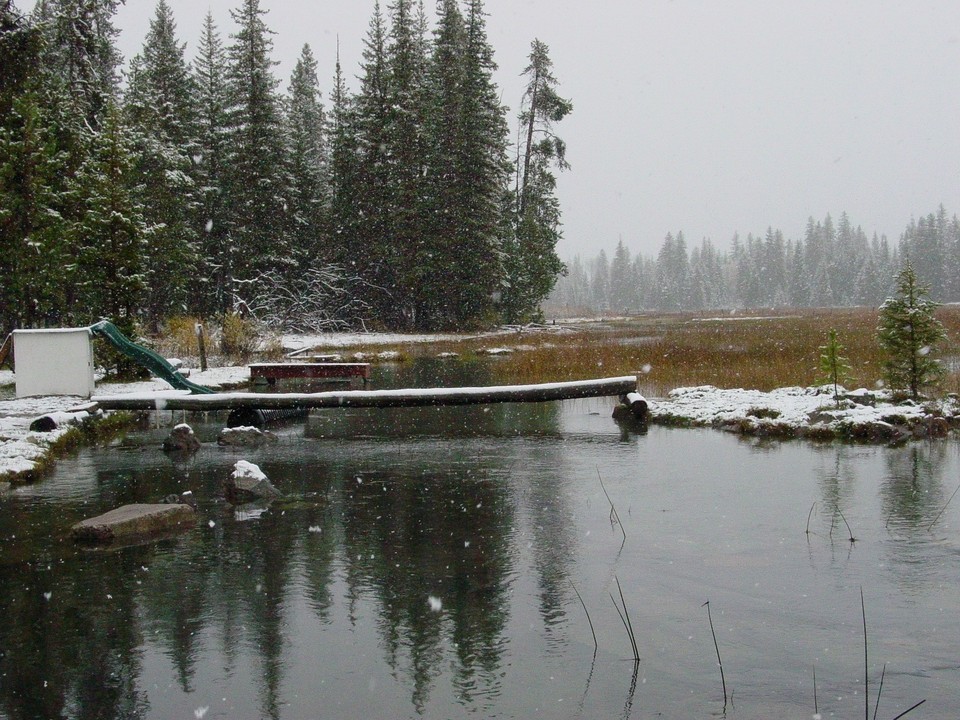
x: 710, y: 117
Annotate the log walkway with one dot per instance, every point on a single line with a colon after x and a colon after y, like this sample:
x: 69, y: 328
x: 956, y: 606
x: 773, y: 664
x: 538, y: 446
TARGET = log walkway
x: 547, y: 392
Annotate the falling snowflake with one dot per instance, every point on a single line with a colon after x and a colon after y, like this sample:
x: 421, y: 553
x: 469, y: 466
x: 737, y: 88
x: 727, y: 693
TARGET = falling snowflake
x: 436, y: 604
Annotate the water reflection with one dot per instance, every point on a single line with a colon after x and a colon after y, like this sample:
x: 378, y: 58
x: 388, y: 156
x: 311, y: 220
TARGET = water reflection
x: 912, y: 490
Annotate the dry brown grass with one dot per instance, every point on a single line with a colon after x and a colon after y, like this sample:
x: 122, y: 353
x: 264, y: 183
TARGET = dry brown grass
x: 751, y: 350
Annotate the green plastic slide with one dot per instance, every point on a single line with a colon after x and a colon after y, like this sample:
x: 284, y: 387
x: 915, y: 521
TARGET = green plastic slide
x: 147, y: 358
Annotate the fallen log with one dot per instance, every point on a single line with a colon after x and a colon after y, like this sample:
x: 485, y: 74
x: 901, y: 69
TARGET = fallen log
x: 545, y: 392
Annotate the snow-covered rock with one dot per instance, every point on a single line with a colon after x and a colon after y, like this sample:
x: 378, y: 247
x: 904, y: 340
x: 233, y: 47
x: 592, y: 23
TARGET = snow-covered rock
x: 244, y: 436
x: 247, y: 483
x: 181, y: 439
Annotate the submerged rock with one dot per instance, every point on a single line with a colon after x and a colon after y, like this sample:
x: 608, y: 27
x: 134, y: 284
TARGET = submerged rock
x: 135, y: 521
x: 181, y: 439
x: 248, y: 483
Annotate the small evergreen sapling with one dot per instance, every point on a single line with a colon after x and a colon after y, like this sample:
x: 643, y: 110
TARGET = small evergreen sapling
x: 908, y: 332
x: 833, y: 365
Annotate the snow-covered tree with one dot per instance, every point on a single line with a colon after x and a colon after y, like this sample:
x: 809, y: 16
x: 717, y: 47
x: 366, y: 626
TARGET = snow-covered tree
x: 110, y: 236
x: 32, y: 225
x: 533, y: 265
x: 908, y: 333
x: 160, y: 108
x: 80, y: 51
x: 258, y: 185
x: 211, y: 218
x: 307, y: 153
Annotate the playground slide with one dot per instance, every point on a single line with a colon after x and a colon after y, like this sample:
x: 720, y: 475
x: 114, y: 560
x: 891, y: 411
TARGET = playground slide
x: 147, y: 358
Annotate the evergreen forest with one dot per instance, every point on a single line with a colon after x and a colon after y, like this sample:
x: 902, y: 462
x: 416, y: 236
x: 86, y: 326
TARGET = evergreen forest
x: 834, y: 264
x: 170, y: 185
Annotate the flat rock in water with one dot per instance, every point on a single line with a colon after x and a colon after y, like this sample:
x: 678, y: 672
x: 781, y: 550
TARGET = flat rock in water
x: 134, y: 521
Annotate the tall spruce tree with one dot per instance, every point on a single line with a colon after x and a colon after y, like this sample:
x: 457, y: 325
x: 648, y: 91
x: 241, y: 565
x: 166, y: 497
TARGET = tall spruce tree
x: 307, y: 153
x: 369, y: 244
x: 444, y: 175
x: 111, y: 233
x: 32, y: 175
x: 211, y: 219
x: 477, y: 261
x: 160, y: 106
x: 32, y: 224
x: 405, y: 151
x: 908, y: 333
x: 344, y: 168
x: 532, y: 260
x: 258, y: 185
x: 80, y: 51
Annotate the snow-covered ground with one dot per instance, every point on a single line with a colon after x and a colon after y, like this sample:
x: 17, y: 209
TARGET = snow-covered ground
x: 807, y: 412
x: 21, y: 449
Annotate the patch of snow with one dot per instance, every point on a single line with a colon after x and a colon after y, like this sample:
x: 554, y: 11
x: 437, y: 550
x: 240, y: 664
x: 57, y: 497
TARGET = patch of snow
x: 244, y: 469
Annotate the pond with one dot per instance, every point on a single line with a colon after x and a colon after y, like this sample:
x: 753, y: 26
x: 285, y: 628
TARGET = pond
x: 427, y: 563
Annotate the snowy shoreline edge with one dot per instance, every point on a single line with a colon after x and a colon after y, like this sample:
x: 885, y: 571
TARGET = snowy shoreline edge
x: 809, y: 413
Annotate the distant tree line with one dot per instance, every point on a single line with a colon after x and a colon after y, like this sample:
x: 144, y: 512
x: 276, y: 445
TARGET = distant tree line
x: 179, y: 190
x: 834, y: 264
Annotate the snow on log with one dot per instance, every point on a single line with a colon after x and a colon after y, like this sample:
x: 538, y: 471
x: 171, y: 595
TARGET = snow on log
x: 633, y: 405
x: 545, y: 392
x: 54, y: 420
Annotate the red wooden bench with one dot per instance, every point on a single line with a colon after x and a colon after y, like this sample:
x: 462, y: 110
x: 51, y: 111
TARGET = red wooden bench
x: 271, y: 372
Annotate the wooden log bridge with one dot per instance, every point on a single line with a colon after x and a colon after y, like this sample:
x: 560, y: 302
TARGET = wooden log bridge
x: 174, y: 400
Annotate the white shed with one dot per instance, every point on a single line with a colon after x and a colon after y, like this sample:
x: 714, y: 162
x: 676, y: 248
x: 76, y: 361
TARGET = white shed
x: 53, y: 362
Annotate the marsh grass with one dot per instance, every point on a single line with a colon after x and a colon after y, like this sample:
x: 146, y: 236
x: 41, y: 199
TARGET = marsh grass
x: 753, y: 350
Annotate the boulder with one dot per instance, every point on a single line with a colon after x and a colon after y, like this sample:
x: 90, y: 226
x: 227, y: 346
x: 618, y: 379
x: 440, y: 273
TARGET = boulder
x: 248, y: 483
x: 244, y: 436
x: 135, y: 521
x: 181, y: 439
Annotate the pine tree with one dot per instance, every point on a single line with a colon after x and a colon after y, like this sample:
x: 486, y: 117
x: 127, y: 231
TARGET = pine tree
x: 533, y: 264
x: 344, y: 169
x: 80, y: 51
x: 404, y: 134
x: 33, y: 170
x: 111, y: 233
x: 368, y: 243
x: 445, y: 178
x: 20, y: 46
x: 211, y: 218
x: 908, y: 333
x: 622, y: 284
x: 833, y: 365
x: 307, y: 152
x: 160, y: 108
x: 32, y: 225
x: 258, y: 186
